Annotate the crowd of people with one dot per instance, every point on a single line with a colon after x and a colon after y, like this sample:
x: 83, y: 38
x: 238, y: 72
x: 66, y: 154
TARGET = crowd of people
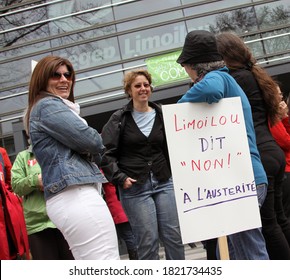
x: 83, y: 190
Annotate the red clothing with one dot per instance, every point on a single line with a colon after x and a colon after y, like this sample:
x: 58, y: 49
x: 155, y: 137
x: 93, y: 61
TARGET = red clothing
x: 7, y: 166
x: 13, y: 234
x: 4, y: 251
x: 114, y: 204
x: 281, y: 133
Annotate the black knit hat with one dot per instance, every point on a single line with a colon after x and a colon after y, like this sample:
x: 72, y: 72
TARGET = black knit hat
x: 199, y: 46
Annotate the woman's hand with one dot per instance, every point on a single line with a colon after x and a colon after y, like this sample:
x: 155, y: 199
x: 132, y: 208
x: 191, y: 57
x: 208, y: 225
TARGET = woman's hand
x: 128, y: 183
x: 283, y: 109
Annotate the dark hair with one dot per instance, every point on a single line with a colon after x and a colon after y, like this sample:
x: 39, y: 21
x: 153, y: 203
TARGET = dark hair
x: 131, y: 76
x: 39, y: 81
x: 237, y: 55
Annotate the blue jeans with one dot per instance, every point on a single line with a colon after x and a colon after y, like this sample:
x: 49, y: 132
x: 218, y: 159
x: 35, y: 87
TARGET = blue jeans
x: 261, y: 193
x: 152, y: 213
x: 249, y: 244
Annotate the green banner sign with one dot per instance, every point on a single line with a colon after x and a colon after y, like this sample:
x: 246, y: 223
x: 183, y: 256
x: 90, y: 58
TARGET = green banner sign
x: 164, y: 69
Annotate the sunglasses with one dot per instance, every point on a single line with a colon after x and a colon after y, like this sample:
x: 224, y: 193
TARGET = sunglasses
x: 57, y: 76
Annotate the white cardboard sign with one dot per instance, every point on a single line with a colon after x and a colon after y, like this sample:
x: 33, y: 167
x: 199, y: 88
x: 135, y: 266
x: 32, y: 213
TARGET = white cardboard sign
x: 211, y: 168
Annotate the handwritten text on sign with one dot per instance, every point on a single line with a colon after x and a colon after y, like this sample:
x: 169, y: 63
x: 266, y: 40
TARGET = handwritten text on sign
x: 211, y: 166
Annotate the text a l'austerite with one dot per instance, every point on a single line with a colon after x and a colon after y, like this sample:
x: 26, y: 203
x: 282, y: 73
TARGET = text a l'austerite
x: 205, y: 197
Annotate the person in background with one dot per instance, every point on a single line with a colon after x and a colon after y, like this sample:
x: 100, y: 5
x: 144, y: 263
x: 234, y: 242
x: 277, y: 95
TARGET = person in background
x: 281, y: 133
x: 45, y: 240
x: 137, y: 162
x: 7, y: 166
x: 65, y: 147
x: 261, y: 91
x: 212, y: 82
x: 4, y: 240
x: 4, y: 252
x: 122, y: 224
x: 13, y: 234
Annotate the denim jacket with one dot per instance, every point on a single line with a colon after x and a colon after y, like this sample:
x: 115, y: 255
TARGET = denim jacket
x: 62, y: 144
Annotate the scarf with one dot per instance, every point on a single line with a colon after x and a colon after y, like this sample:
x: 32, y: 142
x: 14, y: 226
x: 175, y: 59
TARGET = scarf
x: 75, y: 108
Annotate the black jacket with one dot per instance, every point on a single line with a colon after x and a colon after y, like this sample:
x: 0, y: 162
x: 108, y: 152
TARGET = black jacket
x: 129, y: 153
x: 250, y: 86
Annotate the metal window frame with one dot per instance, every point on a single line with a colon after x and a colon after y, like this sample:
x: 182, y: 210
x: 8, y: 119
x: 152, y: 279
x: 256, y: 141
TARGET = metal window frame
x: 181, y: 7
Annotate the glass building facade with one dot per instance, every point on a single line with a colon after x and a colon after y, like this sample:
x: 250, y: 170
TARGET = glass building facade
x: 104, y: 38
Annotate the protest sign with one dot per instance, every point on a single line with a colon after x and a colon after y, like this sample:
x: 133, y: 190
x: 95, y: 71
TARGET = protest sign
x: 211, y: 167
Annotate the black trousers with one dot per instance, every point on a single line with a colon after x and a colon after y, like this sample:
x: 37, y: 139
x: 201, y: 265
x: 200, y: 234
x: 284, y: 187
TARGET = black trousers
x: 286, y: 195
x: 49, y: 244
x: 275, y: 225
x: 210, y: 246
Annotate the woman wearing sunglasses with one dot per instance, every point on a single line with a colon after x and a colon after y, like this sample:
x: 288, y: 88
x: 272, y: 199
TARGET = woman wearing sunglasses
x: 64, y: 146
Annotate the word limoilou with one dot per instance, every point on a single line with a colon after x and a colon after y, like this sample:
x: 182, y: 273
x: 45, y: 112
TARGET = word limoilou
x: 183, y: 124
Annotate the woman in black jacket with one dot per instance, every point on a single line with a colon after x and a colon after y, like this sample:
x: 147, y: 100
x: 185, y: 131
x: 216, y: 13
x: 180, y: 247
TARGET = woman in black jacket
x: 137, y: 162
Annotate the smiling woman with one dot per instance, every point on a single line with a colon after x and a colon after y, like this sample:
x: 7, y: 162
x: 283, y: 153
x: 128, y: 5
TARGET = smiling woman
x: 65, y: 148
x: 137, y: 162
x: 60, y: 82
